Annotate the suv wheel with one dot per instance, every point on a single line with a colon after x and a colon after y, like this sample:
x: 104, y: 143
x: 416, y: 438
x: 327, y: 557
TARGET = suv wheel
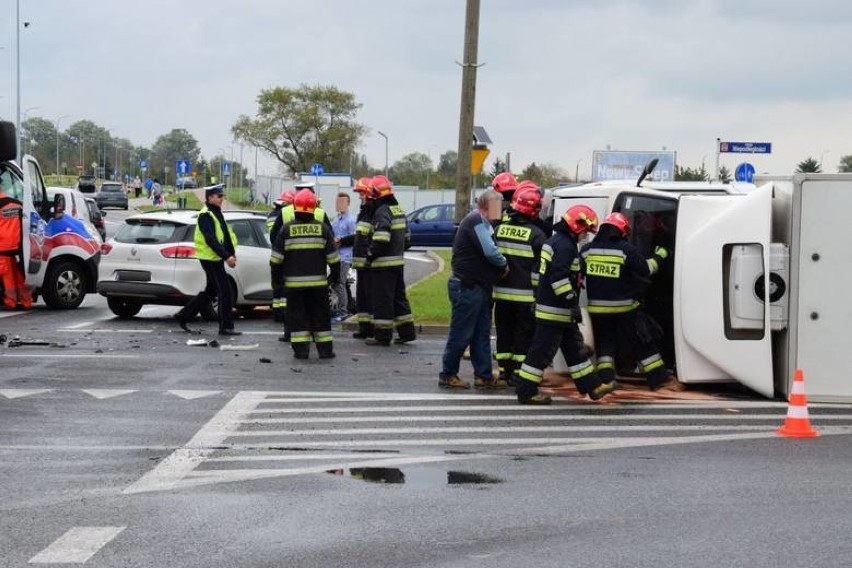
x: 64, y: 286
x: 124, y: 308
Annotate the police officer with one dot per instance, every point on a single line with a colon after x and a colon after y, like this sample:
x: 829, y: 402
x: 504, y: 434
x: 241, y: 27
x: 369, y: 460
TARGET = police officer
x: 215, y: 246
x: 279, y: 299
x: 614, y: 272
x: 557, y: 313
x: 520, y: 242
x: 385, y: 255
x: 302, y: 250
x: 16, y: 294
x: 360, y: 246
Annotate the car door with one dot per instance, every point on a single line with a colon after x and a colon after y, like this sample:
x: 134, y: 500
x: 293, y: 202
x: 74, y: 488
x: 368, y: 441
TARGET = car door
x: 252, y: 270
x: 447, y: 231
x: 35, y: 208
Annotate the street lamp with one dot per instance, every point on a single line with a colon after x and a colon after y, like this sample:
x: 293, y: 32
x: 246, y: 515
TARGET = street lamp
x: 18, y: 75
x: 577, y: 171
x: 385, y: 136
x: 26, y: 115
x: 57, y: 140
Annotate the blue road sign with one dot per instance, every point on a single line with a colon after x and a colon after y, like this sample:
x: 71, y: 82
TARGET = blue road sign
x: 317, y: 170
x: 182, y: 167
x: 745, y: 147
x: 744, y: 172
x: 226, y: 168
x: 143, y: 165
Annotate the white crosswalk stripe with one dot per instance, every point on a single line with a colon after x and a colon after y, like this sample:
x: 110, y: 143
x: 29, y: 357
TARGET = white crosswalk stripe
x: 262, y: 435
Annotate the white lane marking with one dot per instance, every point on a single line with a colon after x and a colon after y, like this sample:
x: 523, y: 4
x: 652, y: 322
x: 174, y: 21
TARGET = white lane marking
x: 81, y: 324
x: 12, y: 314
x: 192, y: 395
x: 77, y: 545
x: 488, y: 430
x: 104, y: 330
x: 602, y: 409
x: 301, y: 396
x: 528, y: 418
x: 102, y: 394
x: 20, y: 393
x: 419, y: 258
x: 169, y: 473
x: 70, y: 356
x: 298, y: 456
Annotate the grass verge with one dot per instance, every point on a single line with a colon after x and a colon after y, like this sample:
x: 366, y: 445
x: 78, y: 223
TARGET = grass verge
x: 428, y: 298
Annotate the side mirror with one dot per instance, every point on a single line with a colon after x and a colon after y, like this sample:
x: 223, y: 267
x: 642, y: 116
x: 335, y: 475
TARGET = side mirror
x: 58, y: 205
x: 103, y: 213
x: 416, y: 220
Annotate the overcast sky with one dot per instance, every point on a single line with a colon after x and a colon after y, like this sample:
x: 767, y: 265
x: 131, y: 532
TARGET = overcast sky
x: 561, y: 77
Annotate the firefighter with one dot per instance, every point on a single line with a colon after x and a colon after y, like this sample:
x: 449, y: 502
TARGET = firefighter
x: 520, y: 242
x: 507, y: 185
x: 16, y: 293
x: 279, y: 299
x: 301, y: 252
x: 389, y: 302
x: 360, y: 246
x: 288, y: 213
x: 614, y: 272
x: 557, y: 313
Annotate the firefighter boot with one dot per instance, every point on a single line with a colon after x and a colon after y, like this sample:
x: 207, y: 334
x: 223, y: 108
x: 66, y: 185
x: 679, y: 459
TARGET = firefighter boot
x: 326, y: 350
x: 527, y: 392
x: 301, y: 350
x: 507, y: 372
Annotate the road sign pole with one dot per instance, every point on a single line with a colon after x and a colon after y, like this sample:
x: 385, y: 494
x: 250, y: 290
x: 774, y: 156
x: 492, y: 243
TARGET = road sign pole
x: 718, y: 155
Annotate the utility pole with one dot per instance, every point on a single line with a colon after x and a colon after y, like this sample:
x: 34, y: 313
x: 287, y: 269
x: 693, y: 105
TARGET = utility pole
x: 468, y: 101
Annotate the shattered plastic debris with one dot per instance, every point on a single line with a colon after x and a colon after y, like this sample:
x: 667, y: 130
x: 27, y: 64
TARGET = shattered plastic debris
x: 196, y: 342
x: 239, y: 347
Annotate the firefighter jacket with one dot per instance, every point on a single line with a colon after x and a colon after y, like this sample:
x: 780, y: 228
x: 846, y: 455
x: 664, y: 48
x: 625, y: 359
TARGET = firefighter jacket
x: 558, y: 293
x: 300, y: 254
x: 520, y: 241
x: 11, y: 212
x: 363, y: 235
x: 615, y: 272
x: 211, y: 240
x: 390, y: 235
x: 288, y: 215
x: 274, y: 214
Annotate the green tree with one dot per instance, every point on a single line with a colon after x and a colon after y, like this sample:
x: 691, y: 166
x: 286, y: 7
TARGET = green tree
x: 38, y: 138
x: 689, y: 174
x: 89, y: 140
x: 411, y: 169
x: 545, y: 175
x: 169, y: 148
x: 845, y: 164
x: 498, y: 167
x: 300, y: 127
x: 810, y: 165
x: 725, y: 175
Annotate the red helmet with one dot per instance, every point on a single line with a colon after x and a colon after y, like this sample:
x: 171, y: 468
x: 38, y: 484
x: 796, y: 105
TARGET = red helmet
x: 381, y: 186
x: 581, y: 218
x: 287, y: 196
x: 363, y: 186
x: 504, y: 182
x: 619, y: 221
x: 527, y: 201
x: 305, y: 201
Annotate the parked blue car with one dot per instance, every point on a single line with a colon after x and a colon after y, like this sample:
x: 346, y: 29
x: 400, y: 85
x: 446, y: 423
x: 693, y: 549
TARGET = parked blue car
x: 433, y: 225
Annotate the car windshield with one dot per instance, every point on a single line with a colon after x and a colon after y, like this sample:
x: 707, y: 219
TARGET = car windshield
x: 150, y: 231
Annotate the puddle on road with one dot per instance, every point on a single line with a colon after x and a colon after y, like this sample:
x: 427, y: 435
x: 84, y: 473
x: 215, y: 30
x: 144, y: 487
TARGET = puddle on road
x: 421, y: 476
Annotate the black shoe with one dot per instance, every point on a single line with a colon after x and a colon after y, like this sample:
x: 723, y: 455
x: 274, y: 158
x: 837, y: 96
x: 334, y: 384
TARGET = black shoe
x: 359, y: 335
x: 300, y: 355
x: 403, y: 340
x: 330, y: 355
x: 374, y: 341
x: 230, y: 332
x: 184, y: 325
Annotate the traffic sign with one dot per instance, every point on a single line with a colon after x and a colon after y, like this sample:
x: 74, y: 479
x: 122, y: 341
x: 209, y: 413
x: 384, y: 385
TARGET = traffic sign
x: 226, y: 168
x: 182, y: 167
x: 745, y: 147
x: 317, y: 170
x: 744, y: 172
x: 143, y: 165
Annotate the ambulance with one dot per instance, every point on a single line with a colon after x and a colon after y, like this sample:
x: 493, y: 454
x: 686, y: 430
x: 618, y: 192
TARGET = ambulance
x: 754, y: 287
x: 60, y: 253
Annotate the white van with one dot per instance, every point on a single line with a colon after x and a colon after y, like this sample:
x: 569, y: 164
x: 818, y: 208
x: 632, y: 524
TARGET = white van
x: 60, y: 254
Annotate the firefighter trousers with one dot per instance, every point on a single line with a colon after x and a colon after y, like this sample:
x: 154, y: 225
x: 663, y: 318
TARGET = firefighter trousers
x: 547, y: 339
x: 16, y: 293
x: 515, y: 325
x: 612, y: 330
x: 391, y: 309
x: 309, y: 320
x: 362, y: 297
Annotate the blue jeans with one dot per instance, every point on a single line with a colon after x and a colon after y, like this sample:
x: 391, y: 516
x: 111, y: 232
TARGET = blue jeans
x: 470, y: 324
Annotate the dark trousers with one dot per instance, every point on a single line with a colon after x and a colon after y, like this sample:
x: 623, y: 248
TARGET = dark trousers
x: 217, y: 286
x: 362, y: 297
x: 515, y: 325
x: 309, y: 319
x: 390, y: 304
x: 545, y: 342
x: 628, y: 329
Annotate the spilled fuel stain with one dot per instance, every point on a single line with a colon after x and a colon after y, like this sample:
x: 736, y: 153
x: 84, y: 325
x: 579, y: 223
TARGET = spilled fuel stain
x: 417, y: 476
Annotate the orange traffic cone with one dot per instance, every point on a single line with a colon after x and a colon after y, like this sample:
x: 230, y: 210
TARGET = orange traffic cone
x: 797, y: 424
